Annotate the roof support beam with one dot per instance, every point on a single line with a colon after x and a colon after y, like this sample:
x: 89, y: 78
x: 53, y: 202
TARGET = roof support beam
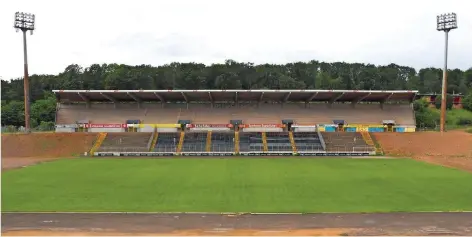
x: 387, y: 98
x: 84, y: 97
x: 336, y: 98
x: 134, y: 97
x: 159, y: 97
x: 311, y: 97
x: 361, y: 98
x: 108, y: 97
x: 210, y: 96
x: 185, y: 96
x: 236, y: 99
x: 286, y: 97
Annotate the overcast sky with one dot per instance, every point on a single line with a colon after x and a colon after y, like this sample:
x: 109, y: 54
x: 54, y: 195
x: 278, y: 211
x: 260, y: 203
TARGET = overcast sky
x: 210, y: 31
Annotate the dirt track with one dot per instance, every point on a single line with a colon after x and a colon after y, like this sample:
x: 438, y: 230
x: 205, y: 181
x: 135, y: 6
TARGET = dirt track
x: 451, y: 149
x: 216, y: 224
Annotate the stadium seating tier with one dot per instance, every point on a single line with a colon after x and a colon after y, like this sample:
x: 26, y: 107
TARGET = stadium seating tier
x: 266, y: 113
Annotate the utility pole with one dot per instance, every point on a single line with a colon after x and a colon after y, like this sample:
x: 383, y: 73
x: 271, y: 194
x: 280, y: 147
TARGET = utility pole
x: 25, y: 22
x: 446, y: 23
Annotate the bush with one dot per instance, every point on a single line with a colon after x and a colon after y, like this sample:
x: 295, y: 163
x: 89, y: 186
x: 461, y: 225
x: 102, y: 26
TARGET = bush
x: 420, y: 105
x: 33, y: 123
x: 9, y: 129
x: 467, y: 101
x: 464, y: 121
x: 427, y: 118
x: 45, y: 126
x: 459, y: 118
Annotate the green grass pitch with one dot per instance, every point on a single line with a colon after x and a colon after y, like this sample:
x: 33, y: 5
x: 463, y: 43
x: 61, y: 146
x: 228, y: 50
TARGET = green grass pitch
x: 237, y: 185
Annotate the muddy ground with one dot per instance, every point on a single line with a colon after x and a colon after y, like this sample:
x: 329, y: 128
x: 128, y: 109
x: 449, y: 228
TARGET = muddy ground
x: 218, y: 224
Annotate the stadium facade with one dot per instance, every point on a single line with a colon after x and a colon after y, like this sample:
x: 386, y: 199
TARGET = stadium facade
x: 229, y: 122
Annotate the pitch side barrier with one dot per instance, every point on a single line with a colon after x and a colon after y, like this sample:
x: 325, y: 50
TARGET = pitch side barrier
x: 223, y: 154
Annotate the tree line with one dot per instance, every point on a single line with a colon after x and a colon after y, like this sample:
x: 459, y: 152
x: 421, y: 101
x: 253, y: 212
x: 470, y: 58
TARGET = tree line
x: 229, y: 75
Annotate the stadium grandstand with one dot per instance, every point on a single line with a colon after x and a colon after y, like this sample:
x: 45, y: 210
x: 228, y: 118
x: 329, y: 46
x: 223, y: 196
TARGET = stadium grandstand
x: 229, y: 122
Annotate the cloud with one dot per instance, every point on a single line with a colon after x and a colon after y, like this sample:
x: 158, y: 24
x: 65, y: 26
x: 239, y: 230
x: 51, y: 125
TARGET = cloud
x: 210, y: 31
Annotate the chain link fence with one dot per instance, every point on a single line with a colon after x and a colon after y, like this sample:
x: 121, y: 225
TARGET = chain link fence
x: 46, y: 127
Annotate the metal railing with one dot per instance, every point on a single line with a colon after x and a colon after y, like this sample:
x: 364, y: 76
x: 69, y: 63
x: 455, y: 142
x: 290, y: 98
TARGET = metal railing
x: 122, y: 149
x: 169, y: 147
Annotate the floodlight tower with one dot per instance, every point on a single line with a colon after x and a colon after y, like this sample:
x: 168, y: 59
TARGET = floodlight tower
x: 25, y: 22
x: 446, y: 23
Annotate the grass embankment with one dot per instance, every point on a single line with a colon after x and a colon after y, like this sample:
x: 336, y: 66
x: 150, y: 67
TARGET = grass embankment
x: 455, y: 118
x: 236, y: 185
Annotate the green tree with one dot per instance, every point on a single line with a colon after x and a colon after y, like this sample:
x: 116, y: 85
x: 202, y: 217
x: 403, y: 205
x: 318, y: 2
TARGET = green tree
x: 427, y: 118
x: 228, y: 75
x: 467, y: 101
x: 43, y: 110
x: 420, y: 105
x: 13, y: 113
x: 449, y: 102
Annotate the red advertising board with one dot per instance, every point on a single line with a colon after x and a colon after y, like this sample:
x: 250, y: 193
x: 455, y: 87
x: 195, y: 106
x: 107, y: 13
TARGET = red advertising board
x: 262, y: 126
x: 209, y: 125
x: 105, y: 125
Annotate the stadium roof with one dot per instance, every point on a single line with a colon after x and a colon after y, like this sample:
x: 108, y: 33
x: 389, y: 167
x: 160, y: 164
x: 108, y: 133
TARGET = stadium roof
x: 233, y: 95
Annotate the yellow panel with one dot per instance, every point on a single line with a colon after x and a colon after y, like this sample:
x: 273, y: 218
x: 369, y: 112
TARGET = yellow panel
x: 365, y: 125
x: 321, y: 129
x: 167, y: 125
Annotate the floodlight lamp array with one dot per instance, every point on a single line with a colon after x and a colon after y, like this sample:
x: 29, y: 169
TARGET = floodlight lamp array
x: 24, y: 21
x: 446, y: 22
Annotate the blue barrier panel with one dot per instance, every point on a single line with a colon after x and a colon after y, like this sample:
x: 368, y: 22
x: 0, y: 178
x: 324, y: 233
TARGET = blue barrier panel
x: 350, y: 129
x: 400, y: 129
x: 330, y: 129
x: 372, y: 129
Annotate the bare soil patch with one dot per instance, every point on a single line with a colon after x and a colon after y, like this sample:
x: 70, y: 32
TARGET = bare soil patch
x: 26, y: 149
x: 451, y: 149
x: 13, y: 163
x: 196, y: 232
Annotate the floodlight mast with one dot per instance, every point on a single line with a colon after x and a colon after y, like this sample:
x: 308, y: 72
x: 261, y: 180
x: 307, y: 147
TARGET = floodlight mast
x: 25, y: 22
x: 446, y: 23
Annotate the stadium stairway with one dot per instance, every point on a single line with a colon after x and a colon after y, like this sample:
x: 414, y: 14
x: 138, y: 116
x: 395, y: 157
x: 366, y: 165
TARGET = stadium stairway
x: 208, y: 142
x: 98, y: 142
x: 181, y: 142
x: 264, y: 141
x: 367, y: 138
x: 236, y: 142
x: 292, y: 142
x: 378, y: 147
x: 154, y: 140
